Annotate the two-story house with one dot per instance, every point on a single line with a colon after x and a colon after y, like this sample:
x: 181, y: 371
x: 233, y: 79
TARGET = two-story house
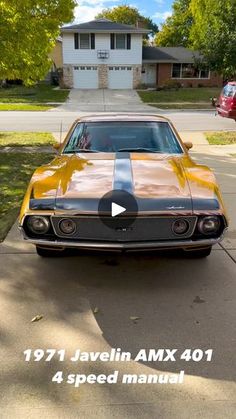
x: 102, y: 54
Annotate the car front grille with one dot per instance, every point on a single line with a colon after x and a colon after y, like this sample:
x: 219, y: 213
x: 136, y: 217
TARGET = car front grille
x: 142, y: 229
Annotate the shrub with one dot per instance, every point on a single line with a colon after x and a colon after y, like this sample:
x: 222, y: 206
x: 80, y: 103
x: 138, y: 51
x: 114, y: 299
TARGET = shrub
x: 171, y: 84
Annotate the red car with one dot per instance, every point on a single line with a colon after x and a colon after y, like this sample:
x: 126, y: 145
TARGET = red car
x: 227, y: 101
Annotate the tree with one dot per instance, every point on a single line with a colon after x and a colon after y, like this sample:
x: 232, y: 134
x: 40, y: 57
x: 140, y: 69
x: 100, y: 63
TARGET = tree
x: 128, y: 15
x: 28, y: 32
x: 175, y: 31
x: 214, y: 33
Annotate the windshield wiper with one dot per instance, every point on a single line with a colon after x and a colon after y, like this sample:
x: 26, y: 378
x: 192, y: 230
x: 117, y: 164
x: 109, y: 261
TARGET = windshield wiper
x: 138, y: 149
x: 81, y: 150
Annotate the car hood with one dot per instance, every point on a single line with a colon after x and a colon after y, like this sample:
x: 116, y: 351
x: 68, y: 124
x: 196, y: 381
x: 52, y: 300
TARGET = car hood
x: 168, y: 183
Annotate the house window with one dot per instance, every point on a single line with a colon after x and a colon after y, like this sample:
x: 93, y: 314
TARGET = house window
x: 189, y: 71
x: 176, y: 71
x: 120, y: 41
x: 204, y: 74
x: 84, y: 41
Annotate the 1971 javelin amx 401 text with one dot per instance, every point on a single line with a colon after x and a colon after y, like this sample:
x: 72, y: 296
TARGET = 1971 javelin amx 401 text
x: 123, y: 182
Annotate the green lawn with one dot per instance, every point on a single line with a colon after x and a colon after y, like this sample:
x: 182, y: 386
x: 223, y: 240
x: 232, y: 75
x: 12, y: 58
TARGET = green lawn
x: 182, y: 106
x: 39, y: 94
x: 190, y: 94
x: 15, y: 172
x: 19, y: 139
x: 23, y: 107
x: 221, y: 138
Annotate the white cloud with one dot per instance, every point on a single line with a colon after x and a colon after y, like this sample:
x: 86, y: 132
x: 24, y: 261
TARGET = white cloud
x: 159, y: 1
x: 88, y: 9
x: 161, y: 16
x: 86, y: 13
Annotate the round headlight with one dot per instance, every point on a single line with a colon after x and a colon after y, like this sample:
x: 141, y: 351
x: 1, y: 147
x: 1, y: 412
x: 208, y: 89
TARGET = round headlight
x: 180, y: 226
x: 209, y: 224
x: 38, y: 224
x: 67, y: 226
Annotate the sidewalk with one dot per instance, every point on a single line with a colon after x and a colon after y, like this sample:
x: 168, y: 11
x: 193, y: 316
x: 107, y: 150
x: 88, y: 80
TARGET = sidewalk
x: 201, y: 145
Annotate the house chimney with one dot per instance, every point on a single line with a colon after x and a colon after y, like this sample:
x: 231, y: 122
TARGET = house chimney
x: 140, y: 24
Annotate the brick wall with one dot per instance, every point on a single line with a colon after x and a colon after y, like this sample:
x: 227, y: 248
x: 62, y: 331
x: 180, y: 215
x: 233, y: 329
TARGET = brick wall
x: 164, y: 74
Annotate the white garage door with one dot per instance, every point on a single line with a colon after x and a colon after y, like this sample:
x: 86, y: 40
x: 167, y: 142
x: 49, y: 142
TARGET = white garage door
x: 85, y: 77
x: 120, y: 78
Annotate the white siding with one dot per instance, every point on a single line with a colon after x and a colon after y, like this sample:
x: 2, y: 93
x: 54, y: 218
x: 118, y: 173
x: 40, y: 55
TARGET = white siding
x: 102, y: 42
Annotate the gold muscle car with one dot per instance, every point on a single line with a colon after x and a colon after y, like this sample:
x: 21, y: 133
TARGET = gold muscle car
x: 123, y: 182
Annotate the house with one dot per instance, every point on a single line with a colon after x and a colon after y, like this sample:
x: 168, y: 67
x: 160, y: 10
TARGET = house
x: 163, y: 64
x: 56, y: 55
x: 102, y: 54
x: 57, y: 62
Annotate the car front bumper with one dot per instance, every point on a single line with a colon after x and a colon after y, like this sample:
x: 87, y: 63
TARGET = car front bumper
x: 227, y: 114
x: 124, y: 246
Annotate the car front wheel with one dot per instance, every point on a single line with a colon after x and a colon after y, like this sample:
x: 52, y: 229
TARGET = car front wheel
x: 48, y: 252
x: 199, y: 253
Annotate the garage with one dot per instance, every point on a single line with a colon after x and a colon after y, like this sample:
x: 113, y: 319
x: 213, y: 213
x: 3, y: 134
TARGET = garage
x: 120, y: 78
x: 85, y: 77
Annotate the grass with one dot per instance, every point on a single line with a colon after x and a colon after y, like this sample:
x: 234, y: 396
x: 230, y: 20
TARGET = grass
x: 15, y: 172
x: 23, y: 107
x: 221, y: 138
x: 182, y: 106
x: 188, y: 94
x: 37, y: 95
x: 20, y: 139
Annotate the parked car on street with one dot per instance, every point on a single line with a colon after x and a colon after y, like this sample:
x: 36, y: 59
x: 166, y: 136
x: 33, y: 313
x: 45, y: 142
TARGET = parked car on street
x: 123, y: 182
x: 226, y: 106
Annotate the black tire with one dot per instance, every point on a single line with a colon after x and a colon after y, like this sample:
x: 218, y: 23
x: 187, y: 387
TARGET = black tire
x: 200, y: 253
x: 48, y: 252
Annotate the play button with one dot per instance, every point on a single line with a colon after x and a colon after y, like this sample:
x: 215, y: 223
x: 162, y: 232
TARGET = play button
x: 118, y: 209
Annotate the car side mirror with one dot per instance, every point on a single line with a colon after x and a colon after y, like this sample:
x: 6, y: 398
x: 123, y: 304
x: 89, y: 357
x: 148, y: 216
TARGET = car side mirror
x: 56, y: 146
x: 188, y: 145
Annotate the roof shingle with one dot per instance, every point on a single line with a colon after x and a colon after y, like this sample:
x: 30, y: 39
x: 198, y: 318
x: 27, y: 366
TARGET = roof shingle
x: 103, y: 25
x: 170, y: 54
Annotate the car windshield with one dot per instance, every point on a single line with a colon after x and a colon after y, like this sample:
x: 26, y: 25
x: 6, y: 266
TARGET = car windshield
x: 153, y: 137
x: 229, y: 90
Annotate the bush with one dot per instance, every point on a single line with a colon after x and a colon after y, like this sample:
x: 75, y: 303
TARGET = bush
x: 172, y: 84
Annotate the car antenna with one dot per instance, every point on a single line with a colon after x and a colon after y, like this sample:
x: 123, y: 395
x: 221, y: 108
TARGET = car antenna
x: 60, y: 132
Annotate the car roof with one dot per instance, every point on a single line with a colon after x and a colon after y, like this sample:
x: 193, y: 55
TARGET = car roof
x: 122, y: 118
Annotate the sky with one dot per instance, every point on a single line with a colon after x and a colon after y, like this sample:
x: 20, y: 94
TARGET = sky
x: 157, y: 10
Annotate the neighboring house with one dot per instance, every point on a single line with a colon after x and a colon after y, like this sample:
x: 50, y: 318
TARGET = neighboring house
x: 57, y: 61
x: 56, y: 55
x: 162, y: 64
x: 102, y: 54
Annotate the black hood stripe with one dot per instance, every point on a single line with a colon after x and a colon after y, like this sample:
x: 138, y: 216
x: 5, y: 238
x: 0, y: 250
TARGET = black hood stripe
x: 123, y: 175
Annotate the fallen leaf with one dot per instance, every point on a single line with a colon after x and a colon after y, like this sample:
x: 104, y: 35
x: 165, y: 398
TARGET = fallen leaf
x: 37, y: 318
x: 197, y: 299
x: 96, y: 310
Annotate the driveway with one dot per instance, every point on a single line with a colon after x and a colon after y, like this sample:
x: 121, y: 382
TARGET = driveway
x: 89, y: 302
x: 99, y: 100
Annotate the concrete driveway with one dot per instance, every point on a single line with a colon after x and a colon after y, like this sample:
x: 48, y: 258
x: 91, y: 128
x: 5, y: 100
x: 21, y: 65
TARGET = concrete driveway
x: 87, y: 302
x: 99, y: 100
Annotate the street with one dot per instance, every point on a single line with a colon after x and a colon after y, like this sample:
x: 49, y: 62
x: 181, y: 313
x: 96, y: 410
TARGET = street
x: 99, y: 301
x: 60, y: 120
